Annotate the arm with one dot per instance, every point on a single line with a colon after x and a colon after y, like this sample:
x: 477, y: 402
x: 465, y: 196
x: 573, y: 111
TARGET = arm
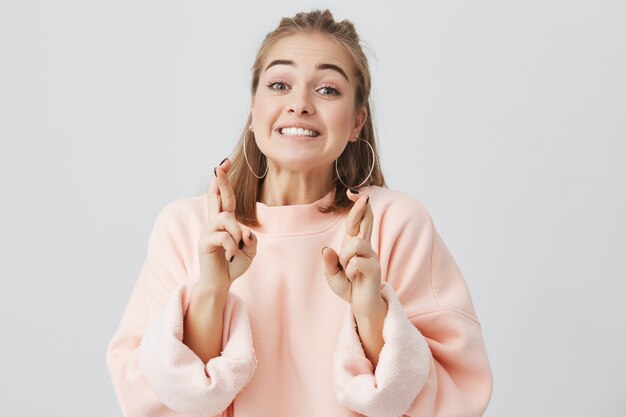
x: 433, y: 361
x: 369, y: 328
x: 153, y: 372
x: 203, y: 323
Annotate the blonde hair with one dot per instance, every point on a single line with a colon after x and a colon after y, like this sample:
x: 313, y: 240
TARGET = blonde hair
x: 353, y: 164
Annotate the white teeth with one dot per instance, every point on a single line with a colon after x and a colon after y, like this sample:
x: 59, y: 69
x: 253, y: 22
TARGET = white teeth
x: 298, y: 131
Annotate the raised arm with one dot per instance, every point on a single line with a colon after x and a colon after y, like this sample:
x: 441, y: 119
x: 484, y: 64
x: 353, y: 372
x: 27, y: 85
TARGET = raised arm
x: 154, y: 373
x: 433, y: 362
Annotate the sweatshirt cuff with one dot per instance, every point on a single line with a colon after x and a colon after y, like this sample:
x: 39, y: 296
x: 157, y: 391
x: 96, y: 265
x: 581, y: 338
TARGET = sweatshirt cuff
x: 402, y: 368
x: 178, y: 377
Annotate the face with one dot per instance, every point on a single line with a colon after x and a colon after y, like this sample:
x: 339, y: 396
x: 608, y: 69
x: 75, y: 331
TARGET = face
x: 306, y: 81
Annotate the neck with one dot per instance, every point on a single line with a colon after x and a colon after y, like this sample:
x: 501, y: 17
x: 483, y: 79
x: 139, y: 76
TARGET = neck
x: 286, y: 188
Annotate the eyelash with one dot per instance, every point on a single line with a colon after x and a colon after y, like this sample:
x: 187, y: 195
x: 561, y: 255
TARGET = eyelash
x: 336, y: 91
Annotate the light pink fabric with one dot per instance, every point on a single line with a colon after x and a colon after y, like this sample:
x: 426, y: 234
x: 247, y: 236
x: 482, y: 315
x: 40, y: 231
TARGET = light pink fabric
x: 290, y: 345
x: 200, y: 389
x: 390, y: 389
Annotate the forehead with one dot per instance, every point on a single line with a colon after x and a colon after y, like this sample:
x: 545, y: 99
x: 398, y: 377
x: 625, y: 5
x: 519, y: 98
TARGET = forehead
x: 309, y: 49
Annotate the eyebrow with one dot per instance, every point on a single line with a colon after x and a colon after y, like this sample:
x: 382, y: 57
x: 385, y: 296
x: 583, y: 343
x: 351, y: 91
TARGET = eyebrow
x: 319, y: 67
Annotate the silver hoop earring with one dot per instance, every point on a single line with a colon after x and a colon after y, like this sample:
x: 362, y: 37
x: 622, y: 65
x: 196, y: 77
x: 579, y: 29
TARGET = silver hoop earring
x: 245, y: 138
x: 368, y: 175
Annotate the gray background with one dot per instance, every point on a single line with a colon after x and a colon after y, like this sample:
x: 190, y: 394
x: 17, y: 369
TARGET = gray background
x: 506, y: 119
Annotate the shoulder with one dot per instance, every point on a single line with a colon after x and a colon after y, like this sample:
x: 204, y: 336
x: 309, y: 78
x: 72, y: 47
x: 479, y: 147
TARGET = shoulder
x: 185, y: 206
x: 182, y: 214
x: 397, y: 208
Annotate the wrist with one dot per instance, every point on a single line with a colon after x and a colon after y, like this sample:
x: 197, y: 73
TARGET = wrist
x: 375, y: 311
x: 200, y: 290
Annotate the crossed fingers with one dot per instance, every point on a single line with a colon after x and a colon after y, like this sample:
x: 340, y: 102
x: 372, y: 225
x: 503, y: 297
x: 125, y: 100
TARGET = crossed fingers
x: 223, y: 196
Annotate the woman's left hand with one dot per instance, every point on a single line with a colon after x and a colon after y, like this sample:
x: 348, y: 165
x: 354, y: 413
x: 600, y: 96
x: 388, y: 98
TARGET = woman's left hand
x: 354, y: 274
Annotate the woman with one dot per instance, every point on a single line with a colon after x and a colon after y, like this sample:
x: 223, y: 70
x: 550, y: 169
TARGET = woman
x: 299, y: 285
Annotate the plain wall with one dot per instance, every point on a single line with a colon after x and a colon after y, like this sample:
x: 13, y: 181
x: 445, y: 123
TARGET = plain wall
x: 506, y: 119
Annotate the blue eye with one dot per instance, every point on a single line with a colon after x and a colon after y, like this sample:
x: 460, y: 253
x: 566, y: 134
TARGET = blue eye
x: 271, y: 85
x: 325, y: 90
x: 335, y: 91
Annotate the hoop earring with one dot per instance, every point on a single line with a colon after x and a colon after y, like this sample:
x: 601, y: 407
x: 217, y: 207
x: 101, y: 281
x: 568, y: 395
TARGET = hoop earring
x: 245, y: 138
x: 371, y: 169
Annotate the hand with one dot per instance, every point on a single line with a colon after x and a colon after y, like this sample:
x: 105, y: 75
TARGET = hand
x: 354, y: 274
x: 225, y: 250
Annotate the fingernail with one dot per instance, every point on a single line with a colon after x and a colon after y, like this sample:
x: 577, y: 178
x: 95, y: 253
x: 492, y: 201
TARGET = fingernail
x: 251, y: 236
x: 232, y: 257
x: 323, y: 249
x: 241, y: 244
x: 354, y: 191
x: 223, y: 161
x: 339, y: 266
x: 215, y: 171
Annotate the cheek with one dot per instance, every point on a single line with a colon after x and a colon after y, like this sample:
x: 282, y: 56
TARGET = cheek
x: 341, y: 120
x: 262, y: 111
x: 264, y: 105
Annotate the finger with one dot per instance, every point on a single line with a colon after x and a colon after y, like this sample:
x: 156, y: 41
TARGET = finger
x: 363, y: 209
x: 355, y: 247
x: 249, y: 243
x: 355, y: 216
x: 213, y: 195
x: 221, y: 239
x: 213, y: 199
x: 367, y: 222
x: 354, y: 267
x: 360, y: 264
x: 226, y: 190
x: 229, y: 245
x: 226, y: 221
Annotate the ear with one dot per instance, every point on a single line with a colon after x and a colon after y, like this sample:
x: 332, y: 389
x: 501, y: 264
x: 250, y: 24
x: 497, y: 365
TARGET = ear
x: 360, y: 119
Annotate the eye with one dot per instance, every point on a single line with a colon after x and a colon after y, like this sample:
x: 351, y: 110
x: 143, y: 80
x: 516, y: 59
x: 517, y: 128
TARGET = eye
x: 276, y: 83
x: 332, y: 91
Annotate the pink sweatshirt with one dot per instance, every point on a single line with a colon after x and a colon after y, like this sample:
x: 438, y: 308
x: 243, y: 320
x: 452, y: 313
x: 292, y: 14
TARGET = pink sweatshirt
x: 290, y: 346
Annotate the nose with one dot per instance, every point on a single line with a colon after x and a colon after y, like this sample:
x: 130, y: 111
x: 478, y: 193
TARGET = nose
x: 301, y: 104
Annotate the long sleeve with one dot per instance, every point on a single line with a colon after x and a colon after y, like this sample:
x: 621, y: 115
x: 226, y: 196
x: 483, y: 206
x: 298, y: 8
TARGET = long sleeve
x: 154, y: 373
x: 433, y: 362
x: 401, y: 371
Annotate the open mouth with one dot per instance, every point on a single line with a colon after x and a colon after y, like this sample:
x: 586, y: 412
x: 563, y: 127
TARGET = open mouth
x: 298, y: 132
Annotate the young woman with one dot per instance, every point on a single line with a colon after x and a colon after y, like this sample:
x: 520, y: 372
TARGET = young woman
x: 299, y: 284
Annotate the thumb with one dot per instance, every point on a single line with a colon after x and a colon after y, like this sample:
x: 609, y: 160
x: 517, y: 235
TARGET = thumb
x: 331, y: 262
x: 335, y: 277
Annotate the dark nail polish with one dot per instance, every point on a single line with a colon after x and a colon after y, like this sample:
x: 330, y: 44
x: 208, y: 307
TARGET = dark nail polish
x: 232, y: 257
x: 339, y: 266
x: 223, y: 161
x: 354, y: 191
x: 241, y: 244
x: 215, y: 171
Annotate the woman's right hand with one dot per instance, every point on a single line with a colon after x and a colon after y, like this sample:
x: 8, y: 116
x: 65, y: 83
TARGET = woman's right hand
x: 225, y: 249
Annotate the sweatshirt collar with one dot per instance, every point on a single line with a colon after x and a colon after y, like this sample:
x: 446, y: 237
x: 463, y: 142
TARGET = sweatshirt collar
x: 295, y: 219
